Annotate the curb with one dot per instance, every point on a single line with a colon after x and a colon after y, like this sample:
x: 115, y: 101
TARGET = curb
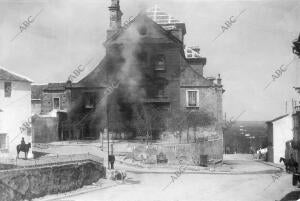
x: 270, y: 164
x: 61, y: 196
x: 142, y: 170
x: 212, y: 173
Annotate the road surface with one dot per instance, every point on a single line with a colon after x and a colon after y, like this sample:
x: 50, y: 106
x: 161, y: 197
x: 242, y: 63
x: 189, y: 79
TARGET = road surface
x: 191, y: 187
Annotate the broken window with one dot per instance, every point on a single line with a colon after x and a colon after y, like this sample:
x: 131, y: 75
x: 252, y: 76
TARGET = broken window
x: 7, y: 89
x: 56, y: 104
x: 159, y: 62
x: 90, y: 100
x: 161, y: 91
x: 192, y: 98
x: 160, y: 86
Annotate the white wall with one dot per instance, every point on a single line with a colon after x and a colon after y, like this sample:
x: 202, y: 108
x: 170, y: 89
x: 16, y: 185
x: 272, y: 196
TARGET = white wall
x: 282, y: 132
x: 16, y: 111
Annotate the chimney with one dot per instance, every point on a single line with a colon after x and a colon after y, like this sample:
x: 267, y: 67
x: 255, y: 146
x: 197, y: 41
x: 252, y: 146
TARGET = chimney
x: 219, y: 80
x: 211, y: 79
x: 115, y: 18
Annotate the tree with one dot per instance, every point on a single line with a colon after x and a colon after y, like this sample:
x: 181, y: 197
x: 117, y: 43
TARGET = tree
x: 148, y: 119
x: 197, y: 119
x: 181, y: 120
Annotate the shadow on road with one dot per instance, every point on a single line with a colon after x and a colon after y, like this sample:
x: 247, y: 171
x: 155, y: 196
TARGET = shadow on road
x: 291, y: 196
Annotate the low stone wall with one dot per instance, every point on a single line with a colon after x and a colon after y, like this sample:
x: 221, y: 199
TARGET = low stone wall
x: 28, y: 183
x: 189, y: 153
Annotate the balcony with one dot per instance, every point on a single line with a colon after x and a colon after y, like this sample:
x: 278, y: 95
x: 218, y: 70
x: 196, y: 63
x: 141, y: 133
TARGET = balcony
x: 157, y: 100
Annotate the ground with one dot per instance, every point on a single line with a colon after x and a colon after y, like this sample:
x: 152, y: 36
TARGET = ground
x: 240, y: 178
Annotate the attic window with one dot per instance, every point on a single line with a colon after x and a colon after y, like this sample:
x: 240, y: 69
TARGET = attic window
x: 189, y: 55
x: 142, y: 30
x: 159, y: 62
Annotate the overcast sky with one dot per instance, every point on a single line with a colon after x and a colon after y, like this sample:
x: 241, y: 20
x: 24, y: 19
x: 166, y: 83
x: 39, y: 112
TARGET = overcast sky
x: 70, y: 32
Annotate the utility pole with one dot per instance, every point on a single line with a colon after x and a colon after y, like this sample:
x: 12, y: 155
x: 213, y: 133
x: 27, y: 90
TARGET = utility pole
x: 107, y: 122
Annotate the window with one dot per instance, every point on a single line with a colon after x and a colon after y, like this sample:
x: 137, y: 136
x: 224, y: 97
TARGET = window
x: 56, y: 104
x: 90, y: 100
x: 142, y: 57
x: 159, y: 62
x: 161, y: 91
x: 3, y: 141
x: 7, y: 89
x: 142, y: 30
x: 192, y: 98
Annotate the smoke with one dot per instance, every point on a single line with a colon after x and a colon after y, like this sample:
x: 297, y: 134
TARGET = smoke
x: 130, y: 73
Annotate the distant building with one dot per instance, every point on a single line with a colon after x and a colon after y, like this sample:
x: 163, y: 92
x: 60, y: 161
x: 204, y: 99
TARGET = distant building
x: 280, y: 134
x: 15, y: 111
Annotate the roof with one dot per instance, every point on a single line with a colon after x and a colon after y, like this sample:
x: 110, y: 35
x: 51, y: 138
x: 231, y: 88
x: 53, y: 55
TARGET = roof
x: 56, y: 86
x: 161, y: 17
x: 11, y: 76
x: 37, y: 90
x: 278, y: 118
x: 157, y: 26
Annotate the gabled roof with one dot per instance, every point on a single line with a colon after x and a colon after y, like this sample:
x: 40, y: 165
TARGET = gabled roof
x: 37, y: 90
x: 155, y: 25
x: 11, y: 76
x: 278, y: 118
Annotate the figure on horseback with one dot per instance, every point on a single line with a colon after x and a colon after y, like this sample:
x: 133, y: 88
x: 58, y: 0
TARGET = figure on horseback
x: 23, y: 147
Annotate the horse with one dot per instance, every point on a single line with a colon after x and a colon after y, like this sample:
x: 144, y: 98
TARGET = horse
x: 25, y: 148
x: 290, y: 164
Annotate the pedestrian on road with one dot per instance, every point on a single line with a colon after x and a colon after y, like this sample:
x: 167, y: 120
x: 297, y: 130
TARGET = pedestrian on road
x: 111, y: 159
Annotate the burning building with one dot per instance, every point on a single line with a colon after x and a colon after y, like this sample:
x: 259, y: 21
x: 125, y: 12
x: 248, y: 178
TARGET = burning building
x: 148, y: 85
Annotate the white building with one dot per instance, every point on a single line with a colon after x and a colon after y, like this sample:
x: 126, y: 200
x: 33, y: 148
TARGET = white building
x: 15, y: 111
x: 280, y: 133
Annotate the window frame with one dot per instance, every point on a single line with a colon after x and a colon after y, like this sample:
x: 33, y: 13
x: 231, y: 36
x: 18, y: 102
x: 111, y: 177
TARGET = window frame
x: 197, y: 98
x: 88, y: 96
x: 160, y: 67
x: 6, y: 142
x: 58, y: 103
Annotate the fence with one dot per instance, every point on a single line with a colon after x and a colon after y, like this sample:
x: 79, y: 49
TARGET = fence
x: 51, y: 160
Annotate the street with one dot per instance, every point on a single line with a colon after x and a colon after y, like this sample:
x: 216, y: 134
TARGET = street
x: 259, y: 183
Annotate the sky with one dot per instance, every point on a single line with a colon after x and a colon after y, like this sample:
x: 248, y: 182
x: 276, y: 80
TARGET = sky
x: 66, y: 34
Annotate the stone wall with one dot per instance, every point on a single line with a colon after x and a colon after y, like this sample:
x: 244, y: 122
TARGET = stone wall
x: 189, y: 153
x: 21, y: 184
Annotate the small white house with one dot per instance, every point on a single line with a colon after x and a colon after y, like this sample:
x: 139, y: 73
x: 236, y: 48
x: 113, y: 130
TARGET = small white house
x: 280, y: 132
x: 15, y: 112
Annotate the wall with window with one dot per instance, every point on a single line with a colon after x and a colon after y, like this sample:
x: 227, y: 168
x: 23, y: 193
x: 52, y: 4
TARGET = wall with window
x: 54, y: 101
x: 15, y: 105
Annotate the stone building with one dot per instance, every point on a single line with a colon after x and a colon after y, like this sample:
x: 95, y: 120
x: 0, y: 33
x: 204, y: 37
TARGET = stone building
x: 146, y: 78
